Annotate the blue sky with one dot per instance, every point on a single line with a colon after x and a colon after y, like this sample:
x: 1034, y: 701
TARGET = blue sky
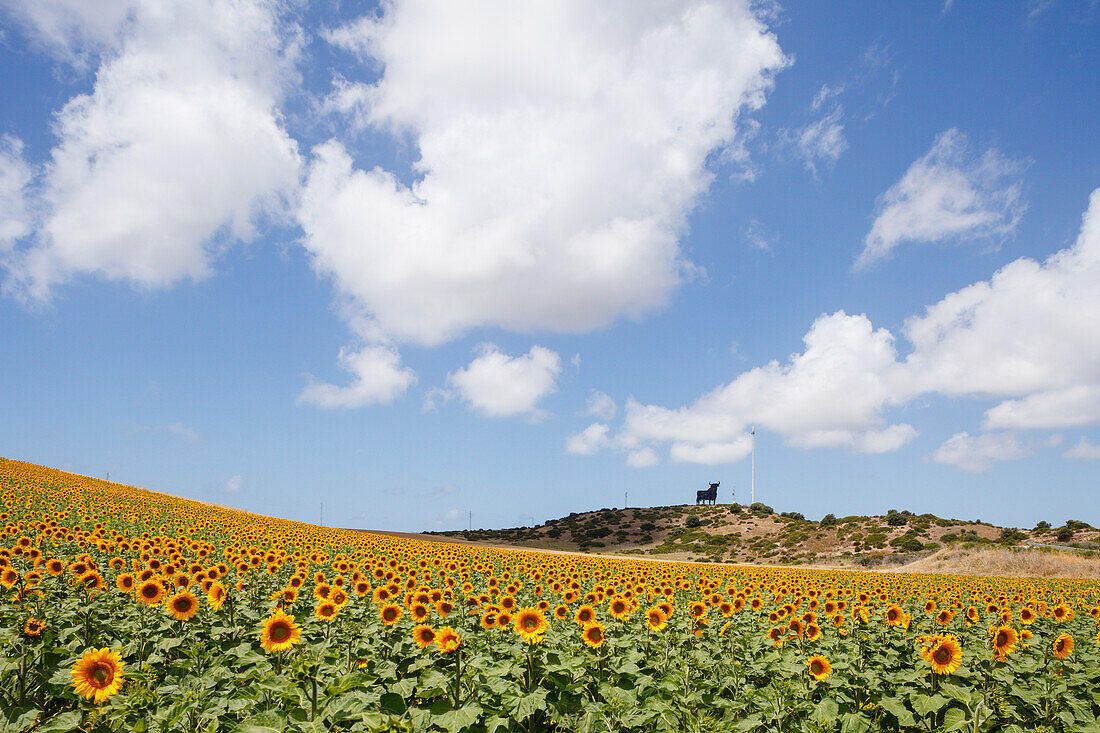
x: 517, y: 260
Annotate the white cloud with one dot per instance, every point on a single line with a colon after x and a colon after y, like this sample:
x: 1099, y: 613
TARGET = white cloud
x: 711, y: 454
x: 589, y: 441
x: 1029, y: 337
x: 600, y: 405
x: 562, y: 147
x: 15, y: 176
x: 1084, y: 451
x: 176, y: 430
x: 1032, y: 328
x: 1065, y: 408
x: 642, y: 458
x: 234, y: 484
x: 948, y: 194
x: 824, y: 94
x: 760, y: 236
x: 497, y: 385
x: 977, y: 453
x: 378, y: 375
x: 819, y: 142
x: 177, y: 150
x: 435, y: 397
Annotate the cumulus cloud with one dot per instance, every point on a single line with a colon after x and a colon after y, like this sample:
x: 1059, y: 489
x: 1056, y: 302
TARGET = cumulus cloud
x: 600, y: 405
x: 1083, y: 451
x: 642, y: 458
x: 497, y: 385
x: 177, y: 151
x: 561, y: 149
x: 1064, y: 408
x: 15, y: 176
x: 378, y: 378
x: 1027, y: 337
x: 1030, y: 329
x: 591, y: 440
x: 947, y: 194
x: 978, y: 453
x: 234, y: 484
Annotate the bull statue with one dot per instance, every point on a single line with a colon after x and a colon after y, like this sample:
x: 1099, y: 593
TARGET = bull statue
x: 704, y: 495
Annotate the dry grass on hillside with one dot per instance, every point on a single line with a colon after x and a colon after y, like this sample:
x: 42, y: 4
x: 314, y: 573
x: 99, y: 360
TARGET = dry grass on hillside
x: 1022, y: 563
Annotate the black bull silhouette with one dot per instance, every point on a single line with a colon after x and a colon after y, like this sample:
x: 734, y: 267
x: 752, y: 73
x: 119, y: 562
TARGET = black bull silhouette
x: 704, y: 495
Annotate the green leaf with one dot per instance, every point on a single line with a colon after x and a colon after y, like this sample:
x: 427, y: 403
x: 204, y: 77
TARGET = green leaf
x: 954, y: 719
x: 392, y: 703
x: 455, y: 720
x: 522, y: 707
x: 896, y: 708
x: 64, y: 722
x: 924, y: 704
x: 826, y: 711
x: 854, y: 723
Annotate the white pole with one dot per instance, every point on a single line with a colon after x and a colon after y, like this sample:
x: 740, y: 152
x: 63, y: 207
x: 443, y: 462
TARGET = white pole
x: 753, y: 485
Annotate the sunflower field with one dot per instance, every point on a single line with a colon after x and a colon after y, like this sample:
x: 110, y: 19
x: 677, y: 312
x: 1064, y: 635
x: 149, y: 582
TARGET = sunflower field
x: 127, y: 610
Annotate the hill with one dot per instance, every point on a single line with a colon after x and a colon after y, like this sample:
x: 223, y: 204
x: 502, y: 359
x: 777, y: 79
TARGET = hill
x: 757, y: 535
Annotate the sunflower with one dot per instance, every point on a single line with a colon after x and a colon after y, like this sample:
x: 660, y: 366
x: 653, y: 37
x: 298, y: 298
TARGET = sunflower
x: 419, y: 612
x: 216, y: 595
x: 1027, y: 616
x: 443, y: 608
x: 390, y: 614
x: 279, y: 632
x: 1063, y: 646
x: 819, y: 667
x: 423, y: 635
x: 504, y: 619
x: 944, y: 617
x: 619, y: 608
x: 655, y: 619
x: 1062, y: 613
x: 585, y: 615
x: 182, y: 606
x: 945, y: 655
x: 150, y: 592
x: 894, y: 615
x: 33, y: 627
x: 98, y: 674
x: 593, y: 634
x: 561, y: 611
x: 813, y: 632
x: 530, y: 624
x: 447, y: 639
x: 1005, y: 639
x: 775, y: 633
x: 326, y: 611
x: 125, y: 582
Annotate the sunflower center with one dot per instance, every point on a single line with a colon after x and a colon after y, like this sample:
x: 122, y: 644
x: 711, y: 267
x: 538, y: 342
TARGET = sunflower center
x: 183, y: 605
x: 816, y: 667
x: 942, y: 655
x: 280, y: 632
x: 101, y: 675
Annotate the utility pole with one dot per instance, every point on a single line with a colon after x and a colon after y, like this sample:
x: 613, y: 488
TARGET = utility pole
x: 626, y: 499
x: 470, y: 525
x: 753, y: 485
